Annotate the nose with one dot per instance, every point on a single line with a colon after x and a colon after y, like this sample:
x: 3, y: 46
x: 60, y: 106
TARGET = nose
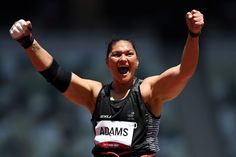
x: 123, y: 58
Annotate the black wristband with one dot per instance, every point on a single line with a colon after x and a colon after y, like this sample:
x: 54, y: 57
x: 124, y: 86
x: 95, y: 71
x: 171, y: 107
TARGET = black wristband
x: 194, y: 34
x: 26, y: 41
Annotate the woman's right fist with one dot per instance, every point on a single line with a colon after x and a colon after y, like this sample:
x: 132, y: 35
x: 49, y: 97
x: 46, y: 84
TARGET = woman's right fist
x: 21, y: 32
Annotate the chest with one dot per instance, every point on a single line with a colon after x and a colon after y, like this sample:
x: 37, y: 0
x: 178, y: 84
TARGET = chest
x: 122, y: 110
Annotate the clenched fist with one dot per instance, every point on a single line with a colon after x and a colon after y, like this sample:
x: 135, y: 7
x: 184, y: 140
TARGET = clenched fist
x: 21, y: 32
x: 195, y: 21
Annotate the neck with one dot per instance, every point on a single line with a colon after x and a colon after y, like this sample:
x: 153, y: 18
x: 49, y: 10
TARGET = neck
x: 119, y: 87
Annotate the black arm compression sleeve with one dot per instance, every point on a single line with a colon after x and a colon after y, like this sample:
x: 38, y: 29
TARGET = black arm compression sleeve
x: 57, y: 76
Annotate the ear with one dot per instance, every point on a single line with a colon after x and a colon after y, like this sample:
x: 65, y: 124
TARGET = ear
x: 137, y: 63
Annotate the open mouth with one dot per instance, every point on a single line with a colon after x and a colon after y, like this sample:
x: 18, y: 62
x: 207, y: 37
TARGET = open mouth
x: 123, y: 70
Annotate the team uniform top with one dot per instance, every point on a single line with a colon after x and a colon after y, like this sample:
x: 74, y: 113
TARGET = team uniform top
x: 125, y: 127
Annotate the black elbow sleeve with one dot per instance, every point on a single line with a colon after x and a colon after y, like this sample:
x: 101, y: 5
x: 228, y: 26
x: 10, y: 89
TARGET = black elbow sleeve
x: 57, y: 76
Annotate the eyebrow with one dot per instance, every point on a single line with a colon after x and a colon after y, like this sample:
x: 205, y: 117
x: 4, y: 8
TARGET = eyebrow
x: 127, y: 51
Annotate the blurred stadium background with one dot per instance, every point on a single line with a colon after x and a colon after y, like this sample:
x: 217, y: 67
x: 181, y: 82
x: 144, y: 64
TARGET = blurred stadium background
x: 36, y: 121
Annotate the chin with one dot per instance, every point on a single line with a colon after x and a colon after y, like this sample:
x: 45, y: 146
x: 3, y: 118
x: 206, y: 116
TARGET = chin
x: 126, y: 78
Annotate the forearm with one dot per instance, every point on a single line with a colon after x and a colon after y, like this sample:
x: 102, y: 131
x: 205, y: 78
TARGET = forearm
x: 190, y: 56
x: 39, y: 57
x: 43, y: 62
x: 195, y: 22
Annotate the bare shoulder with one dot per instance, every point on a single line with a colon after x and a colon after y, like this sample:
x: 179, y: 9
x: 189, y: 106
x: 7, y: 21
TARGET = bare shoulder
x: 91, y: 85
x: 146, y: 87
x: 149, y: 96
x: 83, y: 91
x: 96, y: 86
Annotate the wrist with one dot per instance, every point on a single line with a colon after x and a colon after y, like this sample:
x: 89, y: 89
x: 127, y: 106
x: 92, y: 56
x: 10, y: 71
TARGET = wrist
x: 26, y: 41
x: 194, y: 35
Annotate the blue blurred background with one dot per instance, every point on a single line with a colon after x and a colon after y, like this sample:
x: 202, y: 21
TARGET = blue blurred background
x: 37, y: 121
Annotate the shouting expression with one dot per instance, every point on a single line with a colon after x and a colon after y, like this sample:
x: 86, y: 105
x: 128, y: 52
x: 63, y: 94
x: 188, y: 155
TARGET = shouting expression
x: 122, y: 61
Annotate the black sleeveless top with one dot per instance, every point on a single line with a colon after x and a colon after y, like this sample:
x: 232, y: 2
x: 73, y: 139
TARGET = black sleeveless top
x: 125, y: 126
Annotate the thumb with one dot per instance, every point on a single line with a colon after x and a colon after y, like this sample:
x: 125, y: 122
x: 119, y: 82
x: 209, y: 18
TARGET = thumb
x: 189, y: 15
x: 29, y: 25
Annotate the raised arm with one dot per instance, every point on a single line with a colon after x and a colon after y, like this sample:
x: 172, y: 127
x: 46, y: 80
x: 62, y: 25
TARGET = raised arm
x: 78, y: 90
x: 158, y: 89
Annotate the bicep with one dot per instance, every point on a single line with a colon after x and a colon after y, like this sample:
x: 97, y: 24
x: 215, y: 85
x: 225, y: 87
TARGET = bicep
x: 168, y: 85
x: 83, y: 91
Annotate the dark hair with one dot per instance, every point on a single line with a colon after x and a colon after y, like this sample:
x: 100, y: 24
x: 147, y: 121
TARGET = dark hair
x: 114, y: 41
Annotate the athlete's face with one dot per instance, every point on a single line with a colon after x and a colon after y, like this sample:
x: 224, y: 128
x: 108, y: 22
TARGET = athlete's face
x: 122, y: 61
